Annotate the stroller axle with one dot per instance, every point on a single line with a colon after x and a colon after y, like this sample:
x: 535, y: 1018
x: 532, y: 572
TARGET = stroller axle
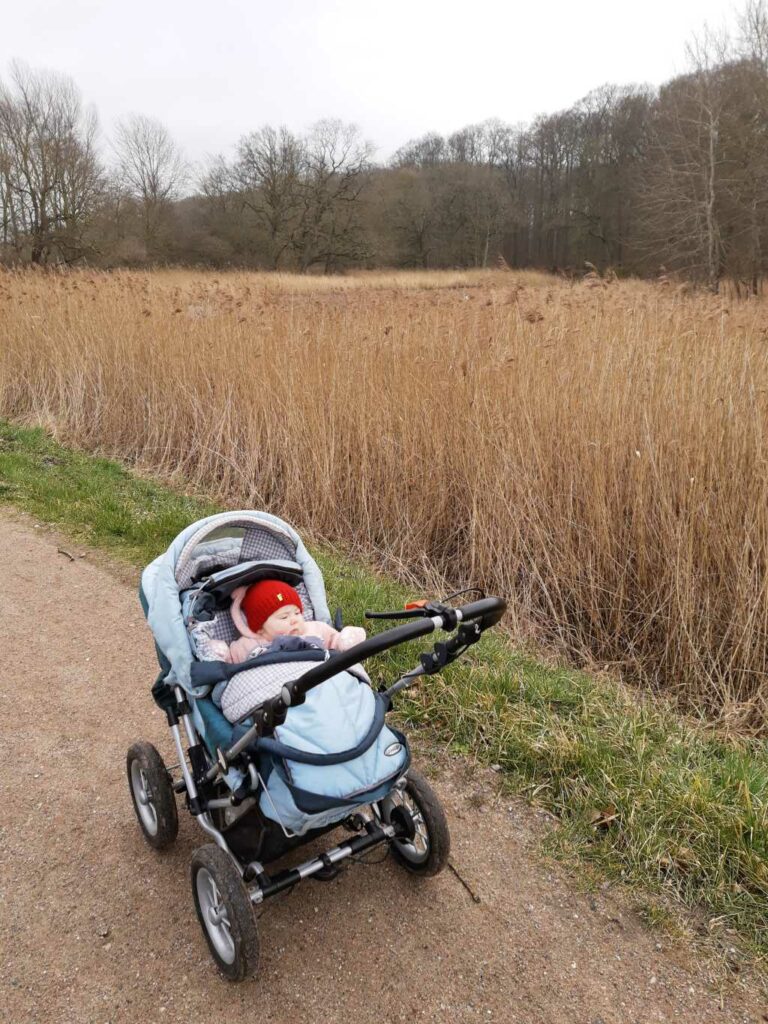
x: 375, y: 834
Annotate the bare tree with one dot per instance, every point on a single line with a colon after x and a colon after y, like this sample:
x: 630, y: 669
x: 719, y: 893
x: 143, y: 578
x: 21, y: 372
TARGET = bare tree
x: 267, y: 174
x: 407, y: 214
x: 746, y: 126
x: 424, y: 152
x: 682, y: 187
x: 753, y: 28
x: 334, y: 176
x: 219, y: 208
x: 152, y: 170
x: 707, y: 96
x: 743, y: 193
x: 50, y: 177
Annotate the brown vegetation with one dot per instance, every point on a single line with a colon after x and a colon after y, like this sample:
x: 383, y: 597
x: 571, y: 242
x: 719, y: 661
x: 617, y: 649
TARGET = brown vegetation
x: 596, y: 454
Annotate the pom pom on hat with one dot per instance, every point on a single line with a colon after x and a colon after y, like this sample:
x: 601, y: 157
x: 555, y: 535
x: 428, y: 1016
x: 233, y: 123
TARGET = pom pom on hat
x: 265, y: 598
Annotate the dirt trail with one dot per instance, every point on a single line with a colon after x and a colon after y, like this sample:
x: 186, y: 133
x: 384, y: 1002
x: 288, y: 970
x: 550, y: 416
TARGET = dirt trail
x: 97, y: 927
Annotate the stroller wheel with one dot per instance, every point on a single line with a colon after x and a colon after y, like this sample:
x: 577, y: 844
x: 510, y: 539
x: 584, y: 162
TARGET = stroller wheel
x: 152, y: 793
x: 225, y: 912
x: 415, y: 811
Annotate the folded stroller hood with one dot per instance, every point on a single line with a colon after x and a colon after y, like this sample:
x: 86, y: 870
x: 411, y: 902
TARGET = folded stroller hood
x: 210, y: 545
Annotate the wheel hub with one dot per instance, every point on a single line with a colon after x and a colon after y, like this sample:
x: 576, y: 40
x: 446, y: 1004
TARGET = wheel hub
x: 402, y: 819
x: 214, y: 915
x: 412, y: 837
x: 143, y: 794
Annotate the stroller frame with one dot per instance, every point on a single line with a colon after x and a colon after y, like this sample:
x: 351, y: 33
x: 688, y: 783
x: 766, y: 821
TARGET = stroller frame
x: 470, y: 621
x: 229, y: 875
x: 259, y: 884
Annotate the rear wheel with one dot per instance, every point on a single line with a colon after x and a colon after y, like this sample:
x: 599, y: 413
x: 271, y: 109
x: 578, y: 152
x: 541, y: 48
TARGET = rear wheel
x: 225, y: 912
x: 416, y: 813
x: 152, y: 793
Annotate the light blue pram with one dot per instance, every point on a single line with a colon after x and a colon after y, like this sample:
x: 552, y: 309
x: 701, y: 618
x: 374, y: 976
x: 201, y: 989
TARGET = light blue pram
x: 311, y: 750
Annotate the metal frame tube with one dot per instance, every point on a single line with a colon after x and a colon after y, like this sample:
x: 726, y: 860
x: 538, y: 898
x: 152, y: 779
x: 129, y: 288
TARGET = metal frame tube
x: 186, y: 773
x: 204, y: 819
x: 191, y: 731
x: 377, y: 834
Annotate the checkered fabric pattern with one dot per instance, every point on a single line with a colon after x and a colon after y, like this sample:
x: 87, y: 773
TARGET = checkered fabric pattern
x: 259, y: 543
x: 262, y: 544
x: 223, y: 628
x: 202, y: 565
x: 253, y: 686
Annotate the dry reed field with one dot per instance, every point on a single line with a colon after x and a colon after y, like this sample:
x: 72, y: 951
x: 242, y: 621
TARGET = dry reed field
x: 594, y: 451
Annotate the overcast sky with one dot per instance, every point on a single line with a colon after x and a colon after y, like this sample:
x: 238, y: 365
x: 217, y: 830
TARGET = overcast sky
x: 213, y: 70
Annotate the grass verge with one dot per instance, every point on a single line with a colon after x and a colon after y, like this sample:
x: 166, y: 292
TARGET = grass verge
x: 639, y: 793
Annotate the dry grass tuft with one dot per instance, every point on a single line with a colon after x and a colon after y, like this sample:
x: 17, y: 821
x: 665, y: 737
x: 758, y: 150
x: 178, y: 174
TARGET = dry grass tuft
x: 596, y: 454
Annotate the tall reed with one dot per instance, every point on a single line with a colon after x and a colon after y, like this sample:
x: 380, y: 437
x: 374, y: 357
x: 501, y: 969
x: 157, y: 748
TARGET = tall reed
x: 597, y: 454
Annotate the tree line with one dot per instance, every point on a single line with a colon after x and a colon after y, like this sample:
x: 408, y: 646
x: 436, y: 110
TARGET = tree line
x: 631, y: 177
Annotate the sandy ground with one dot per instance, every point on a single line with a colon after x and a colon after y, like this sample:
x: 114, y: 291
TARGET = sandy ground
x: 97, y: 927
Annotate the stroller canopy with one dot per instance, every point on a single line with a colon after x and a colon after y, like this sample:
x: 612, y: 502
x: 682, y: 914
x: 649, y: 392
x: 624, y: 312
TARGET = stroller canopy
x: 211, y: 544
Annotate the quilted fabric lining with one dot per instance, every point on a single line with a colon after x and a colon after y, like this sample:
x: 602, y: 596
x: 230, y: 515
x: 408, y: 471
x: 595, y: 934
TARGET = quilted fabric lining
x: 248, y: 689
x: 258, y: 543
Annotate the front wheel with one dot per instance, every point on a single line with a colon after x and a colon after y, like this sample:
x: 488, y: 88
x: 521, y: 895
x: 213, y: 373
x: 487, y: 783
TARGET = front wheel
x: 416, y: 813
x: 225, y: 912
x: 152, y: 794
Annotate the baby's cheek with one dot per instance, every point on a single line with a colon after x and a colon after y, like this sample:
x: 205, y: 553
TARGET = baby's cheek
x: 270, y: 630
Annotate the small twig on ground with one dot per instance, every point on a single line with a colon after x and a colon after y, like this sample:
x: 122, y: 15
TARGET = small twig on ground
x: 466, y: 884
x: 63, y: 552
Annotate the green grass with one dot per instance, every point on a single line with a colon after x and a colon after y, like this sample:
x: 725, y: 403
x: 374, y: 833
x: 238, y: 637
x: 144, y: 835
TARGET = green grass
x: 96, y: 500
x: 674, y: 810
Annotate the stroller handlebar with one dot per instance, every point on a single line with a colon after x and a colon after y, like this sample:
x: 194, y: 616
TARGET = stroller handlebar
x: 488, y: 611
x: 484, y: 613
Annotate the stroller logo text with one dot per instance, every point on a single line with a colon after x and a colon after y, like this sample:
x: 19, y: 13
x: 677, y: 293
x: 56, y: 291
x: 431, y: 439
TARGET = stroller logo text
x: 392, y: 749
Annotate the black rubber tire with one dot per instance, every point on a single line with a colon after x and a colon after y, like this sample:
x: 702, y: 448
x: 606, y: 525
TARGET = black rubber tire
x: 438, y: 834
x: 160, y: 793
x: 239, y: 911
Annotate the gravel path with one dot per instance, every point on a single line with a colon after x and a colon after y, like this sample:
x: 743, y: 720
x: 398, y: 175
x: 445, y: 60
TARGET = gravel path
x: 97, y: 927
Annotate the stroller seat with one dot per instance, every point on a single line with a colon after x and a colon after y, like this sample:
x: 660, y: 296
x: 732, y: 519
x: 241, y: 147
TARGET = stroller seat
x: 205, y: 548
x: 194, y: 580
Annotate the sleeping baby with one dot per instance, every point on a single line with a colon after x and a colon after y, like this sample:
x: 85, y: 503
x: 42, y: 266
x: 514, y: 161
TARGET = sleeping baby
x: 270, y: 609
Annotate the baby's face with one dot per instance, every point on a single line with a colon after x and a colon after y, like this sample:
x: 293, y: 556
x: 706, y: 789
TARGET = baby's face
x: 287, y: 621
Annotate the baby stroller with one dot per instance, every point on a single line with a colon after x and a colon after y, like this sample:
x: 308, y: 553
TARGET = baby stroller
x: 302, y: 758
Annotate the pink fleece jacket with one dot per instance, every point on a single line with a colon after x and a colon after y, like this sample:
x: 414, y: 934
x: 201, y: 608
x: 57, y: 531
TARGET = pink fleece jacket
x: 239, y: 649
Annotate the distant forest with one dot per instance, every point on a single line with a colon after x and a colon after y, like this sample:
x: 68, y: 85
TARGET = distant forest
x: 632, y: 178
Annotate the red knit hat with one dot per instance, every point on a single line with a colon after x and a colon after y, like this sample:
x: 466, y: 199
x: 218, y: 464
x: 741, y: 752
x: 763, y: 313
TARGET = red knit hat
x: 266, y: 597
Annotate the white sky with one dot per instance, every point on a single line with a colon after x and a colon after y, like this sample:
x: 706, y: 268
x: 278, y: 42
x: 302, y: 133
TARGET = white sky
x: 212, y: 71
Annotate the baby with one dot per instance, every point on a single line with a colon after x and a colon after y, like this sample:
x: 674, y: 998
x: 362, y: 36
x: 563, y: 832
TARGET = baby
x: 270, y: 609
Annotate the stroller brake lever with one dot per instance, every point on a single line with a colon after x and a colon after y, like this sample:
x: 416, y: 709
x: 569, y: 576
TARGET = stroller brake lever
x: 421, y: 610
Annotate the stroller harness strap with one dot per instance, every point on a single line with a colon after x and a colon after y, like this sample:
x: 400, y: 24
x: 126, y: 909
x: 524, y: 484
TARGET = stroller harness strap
x: 278, y: 749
